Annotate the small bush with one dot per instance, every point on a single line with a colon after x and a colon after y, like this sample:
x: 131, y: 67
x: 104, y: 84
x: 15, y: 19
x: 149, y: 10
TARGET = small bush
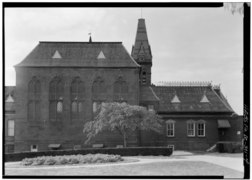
x: 71, y: 159
x: 50, y: 161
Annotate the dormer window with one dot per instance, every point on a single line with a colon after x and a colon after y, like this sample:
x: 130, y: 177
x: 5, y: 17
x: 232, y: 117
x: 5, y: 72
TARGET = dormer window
x: 9, y: 99
x: 56, y: 55
x: 101, y: 56
x: 204, y: 99
x: 175, y: 99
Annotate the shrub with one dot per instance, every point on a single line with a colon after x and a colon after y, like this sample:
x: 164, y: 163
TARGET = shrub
x: 129, y: 151
x: 71, y: 159
x: 38, y: 161
x: 50, y: 161
x: 27, y: 162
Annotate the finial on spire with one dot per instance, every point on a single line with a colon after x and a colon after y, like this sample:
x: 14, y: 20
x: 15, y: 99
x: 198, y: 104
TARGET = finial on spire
x: 90, y: 38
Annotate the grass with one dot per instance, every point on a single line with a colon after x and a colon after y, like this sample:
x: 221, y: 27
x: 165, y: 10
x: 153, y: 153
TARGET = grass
x: 173, y: 168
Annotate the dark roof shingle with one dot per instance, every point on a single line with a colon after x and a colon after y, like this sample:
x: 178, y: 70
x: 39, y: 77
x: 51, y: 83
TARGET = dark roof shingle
x: 79, y: 54
x: 190, y: 97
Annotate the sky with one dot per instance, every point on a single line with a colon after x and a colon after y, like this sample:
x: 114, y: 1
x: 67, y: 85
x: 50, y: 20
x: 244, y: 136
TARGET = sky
x: 188, y: 44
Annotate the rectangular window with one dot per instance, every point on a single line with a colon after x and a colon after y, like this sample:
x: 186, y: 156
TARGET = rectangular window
x: 151, y: 107
x: 34, y: 148
x: 170, y: 129
x: 201, y: 129
x: 191, y: 129
x: 11, y: 126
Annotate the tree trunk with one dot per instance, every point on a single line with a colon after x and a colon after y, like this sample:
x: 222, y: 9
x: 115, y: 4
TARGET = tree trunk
x: 124, y: 139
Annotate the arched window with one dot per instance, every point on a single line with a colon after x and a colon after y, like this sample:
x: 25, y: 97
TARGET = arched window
x: 34, y: 93
x: 144, y: 76
x: 120, y: 89
x: 77, y: 97
x: 98, y: 86
x: 56, y: 93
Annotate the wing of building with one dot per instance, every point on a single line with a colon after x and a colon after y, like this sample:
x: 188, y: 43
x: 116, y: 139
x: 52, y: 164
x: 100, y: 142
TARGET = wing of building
x: 60, y: 84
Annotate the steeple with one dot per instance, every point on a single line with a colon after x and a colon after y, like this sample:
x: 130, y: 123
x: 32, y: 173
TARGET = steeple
x: 141, y: 52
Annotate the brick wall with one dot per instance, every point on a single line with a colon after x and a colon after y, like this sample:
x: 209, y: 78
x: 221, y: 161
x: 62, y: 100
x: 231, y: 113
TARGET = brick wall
x: 66, y: 132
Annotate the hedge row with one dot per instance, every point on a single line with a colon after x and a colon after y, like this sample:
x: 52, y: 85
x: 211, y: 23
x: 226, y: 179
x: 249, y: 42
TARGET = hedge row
x: 71, y: 159
x: 229, y: 147
x: 130, y: 151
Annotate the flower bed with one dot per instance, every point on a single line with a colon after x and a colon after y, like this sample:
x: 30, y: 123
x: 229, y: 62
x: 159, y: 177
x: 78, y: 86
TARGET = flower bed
x: 71, y: 159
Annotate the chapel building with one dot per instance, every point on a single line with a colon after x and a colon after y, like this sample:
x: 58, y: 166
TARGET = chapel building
x: 60, y: 85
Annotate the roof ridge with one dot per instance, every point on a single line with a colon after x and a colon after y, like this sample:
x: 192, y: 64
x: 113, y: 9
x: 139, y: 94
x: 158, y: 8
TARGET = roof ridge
x: 184, y: 83
x: 84, y: 42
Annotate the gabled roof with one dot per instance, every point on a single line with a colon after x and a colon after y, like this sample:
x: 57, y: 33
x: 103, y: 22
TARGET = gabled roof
x: 79, y: 54
x: 190, y: 97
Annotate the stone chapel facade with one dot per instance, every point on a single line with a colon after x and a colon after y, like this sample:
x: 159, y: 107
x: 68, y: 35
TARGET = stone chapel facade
x: 59, y: 86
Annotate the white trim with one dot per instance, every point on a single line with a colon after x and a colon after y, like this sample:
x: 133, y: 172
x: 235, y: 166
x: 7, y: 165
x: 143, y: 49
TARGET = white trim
x: 34, y: 149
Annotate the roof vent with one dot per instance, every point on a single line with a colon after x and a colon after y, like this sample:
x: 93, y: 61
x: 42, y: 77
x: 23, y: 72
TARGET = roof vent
x: 9, y: 99
x: 101, y: 56
x: 56, y: 55
x: 204, y: 99
x: 175, y: 99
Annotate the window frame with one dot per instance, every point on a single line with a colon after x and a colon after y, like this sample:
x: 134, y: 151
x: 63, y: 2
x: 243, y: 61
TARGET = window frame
x: 11, y: 128
x: 151, y: 109
x: 56, y: 94
x: 34, y: 149
x: 187, y: 129
x: 170, y: 122
x: 201, y: 122
x: 34, y: 98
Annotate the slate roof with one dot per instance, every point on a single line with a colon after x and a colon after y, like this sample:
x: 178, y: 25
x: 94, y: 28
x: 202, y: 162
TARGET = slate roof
x: 190, y: 97
x: 147, y: 94
x: 9, y: 90
x: 79, y: 54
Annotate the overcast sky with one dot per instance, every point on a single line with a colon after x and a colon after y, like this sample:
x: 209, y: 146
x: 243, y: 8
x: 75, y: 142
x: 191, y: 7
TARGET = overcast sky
x: 188, y: 44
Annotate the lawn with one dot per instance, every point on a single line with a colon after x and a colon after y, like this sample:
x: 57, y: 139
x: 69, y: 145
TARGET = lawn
x: 169, y: 168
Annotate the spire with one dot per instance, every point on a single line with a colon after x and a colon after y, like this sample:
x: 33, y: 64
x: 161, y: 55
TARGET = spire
x: 141, y: 53
x: 141, y: 42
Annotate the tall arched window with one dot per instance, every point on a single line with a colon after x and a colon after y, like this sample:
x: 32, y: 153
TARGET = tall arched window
x: 56, y: 94
x: 98, y: 93
x: 77, y: 98
x: 34, y: 93
x: 98, y: 86
x: 120, y: 90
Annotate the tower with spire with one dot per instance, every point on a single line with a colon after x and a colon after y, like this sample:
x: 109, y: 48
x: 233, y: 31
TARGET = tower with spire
x: 141, y: 52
